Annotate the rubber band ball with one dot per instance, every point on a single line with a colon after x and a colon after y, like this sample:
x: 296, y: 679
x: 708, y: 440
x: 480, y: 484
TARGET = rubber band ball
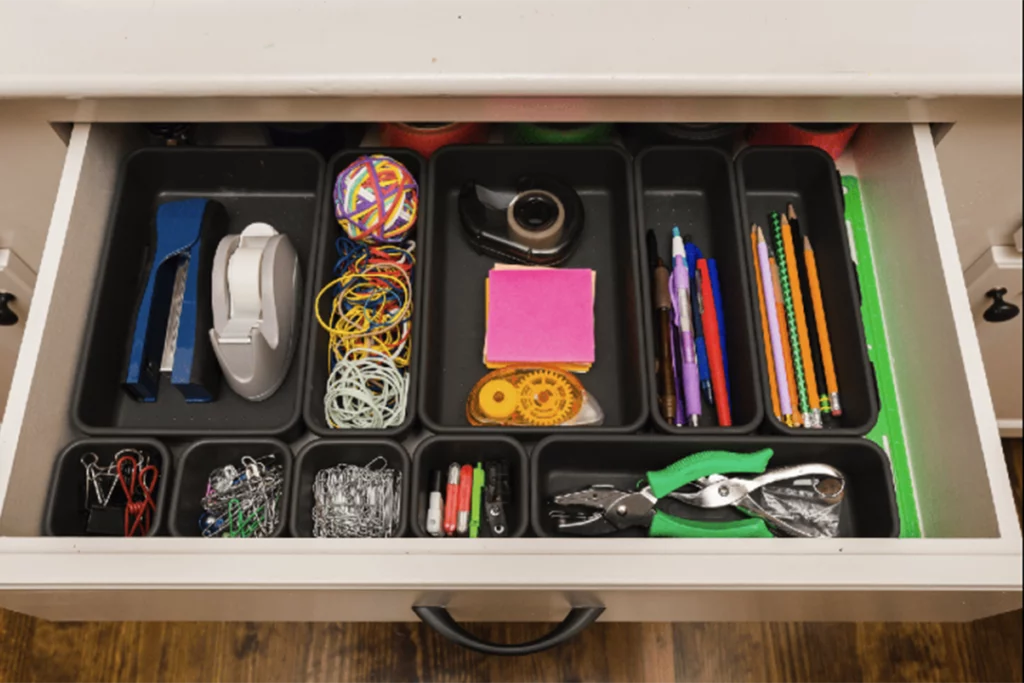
x: 376, y: 200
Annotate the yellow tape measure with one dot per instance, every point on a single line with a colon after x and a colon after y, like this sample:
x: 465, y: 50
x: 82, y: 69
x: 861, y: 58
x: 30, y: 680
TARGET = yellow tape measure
x: 525, y: 396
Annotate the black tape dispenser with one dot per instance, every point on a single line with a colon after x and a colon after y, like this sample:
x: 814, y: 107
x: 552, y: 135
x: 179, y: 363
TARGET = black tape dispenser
x: 538, y: 224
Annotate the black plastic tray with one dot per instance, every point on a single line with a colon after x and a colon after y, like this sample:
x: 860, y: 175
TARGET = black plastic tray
x: 452, y: 318
x: 65, y: 511
x: 277, y: 186
x: 201, y: 458
x: 324, y: 453
x: 563, y: 464
x: 694, y: 188
x: 318, y: 366
x: 769, y: 178
x: 437, y: 453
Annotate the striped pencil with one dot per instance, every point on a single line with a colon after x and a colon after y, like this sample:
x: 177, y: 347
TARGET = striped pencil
x: 796, y: 356
x: 814, y: 414
x: 772, y: 382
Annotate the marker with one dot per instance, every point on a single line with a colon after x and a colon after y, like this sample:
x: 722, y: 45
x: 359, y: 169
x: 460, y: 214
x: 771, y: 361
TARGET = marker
x: 451, y: 501
x: 435, y: 506
x: 465, y: 500
x: 680, y: 286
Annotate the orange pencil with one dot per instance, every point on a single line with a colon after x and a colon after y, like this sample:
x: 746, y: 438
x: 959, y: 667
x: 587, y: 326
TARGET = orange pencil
x: 773, y: 385
x: 801, y: 324
x: 795, y: 420
x: 819, y: 316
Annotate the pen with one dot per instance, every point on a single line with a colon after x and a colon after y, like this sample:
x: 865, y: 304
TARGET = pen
x: 774, y: 337
x: 710, y: 316
x: 693, y: 254
x: 663, y: 329
x: 716, y: 288
x: 684, y: 323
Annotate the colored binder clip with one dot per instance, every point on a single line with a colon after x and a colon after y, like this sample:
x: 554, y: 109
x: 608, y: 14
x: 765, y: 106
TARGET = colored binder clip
x: 169, y: 331
x: 255, y: 288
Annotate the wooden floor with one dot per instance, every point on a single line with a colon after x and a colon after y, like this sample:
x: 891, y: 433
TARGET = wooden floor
x: 989, y: 650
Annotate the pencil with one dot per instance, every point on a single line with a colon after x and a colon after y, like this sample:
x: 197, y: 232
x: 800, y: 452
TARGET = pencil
x: 773, y: 385
x: 819, y: 316
x: 794, y: 419
x: 785, y: 406
x: 814, y: 414
x: 812, y: 329
x: 794, y: 335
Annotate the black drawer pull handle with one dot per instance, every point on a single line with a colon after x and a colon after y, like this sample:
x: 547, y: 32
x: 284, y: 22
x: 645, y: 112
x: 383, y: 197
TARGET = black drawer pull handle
x: 1000, y: 311
x: 441, y: 621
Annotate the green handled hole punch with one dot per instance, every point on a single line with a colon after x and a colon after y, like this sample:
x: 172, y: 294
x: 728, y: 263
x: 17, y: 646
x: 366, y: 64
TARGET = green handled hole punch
x: 600, y: 510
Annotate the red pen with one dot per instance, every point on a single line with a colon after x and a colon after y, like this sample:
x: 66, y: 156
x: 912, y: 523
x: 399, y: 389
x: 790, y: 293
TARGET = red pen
x: 709, y: 317
x: 465, y: 500
x: 451, y: 501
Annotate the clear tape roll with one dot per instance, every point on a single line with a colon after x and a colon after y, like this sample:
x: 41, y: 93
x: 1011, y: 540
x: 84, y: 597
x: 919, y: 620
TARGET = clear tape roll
x: 536, y: 239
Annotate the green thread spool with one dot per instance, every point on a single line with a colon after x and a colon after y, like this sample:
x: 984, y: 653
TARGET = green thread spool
x: 787, y: 301
x: 562, y: 133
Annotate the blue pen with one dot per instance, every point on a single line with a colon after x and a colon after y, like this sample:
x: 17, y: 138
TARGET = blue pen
x: 693, y: 253
x: 716, y: 290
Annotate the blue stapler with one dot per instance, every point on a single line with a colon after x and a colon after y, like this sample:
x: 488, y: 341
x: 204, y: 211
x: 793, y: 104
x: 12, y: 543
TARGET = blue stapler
x: 170, y: 332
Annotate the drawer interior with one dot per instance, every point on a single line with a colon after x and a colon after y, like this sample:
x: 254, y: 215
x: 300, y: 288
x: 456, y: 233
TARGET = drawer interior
x: 949, y: 429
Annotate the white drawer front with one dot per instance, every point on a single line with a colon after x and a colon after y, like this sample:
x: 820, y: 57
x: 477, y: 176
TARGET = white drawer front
x: 968, y: 566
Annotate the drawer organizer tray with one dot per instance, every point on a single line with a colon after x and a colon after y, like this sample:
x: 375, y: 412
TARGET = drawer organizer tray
x: 279, y: 187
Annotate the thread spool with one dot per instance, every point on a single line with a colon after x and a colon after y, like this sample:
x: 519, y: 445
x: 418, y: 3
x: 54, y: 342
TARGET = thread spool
x: 427, y: 138
x: 562, y: 133
x: 376, y: 200
x: 833, y: 138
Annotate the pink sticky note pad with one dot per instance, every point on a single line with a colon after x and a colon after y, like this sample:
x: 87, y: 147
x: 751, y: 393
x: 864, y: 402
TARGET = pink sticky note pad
x: 541, y: 316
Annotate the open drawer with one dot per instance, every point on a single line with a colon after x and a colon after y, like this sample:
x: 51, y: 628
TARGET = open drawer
x: 967, y: 566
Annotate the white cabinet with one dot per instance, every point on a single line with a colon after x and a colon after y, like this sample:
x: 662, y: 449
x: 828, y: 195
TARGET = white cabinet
x: 998, y: 274
x: 967, y: 567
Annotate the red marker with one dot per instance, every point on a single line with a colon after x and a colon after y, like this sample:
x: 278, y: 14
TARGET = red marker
x: 451, y: 501
x: 465, y: 500
x: 709, y: 317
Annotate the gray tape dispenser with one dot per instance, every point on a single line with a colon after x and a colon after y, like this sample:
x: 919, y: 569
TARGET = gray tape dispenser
x: 255, y: 288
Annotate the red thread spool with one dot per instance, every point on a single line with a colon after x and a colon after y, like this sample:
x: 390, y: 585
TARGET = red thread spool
x: 830, y: 137
x: 427, y: 138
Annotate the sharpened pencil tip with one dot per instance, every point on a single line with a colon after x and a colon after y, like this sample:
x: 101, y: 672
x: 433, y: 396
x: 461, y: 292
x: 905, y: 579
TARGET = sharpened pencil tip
x: 807, y: 244
x: 791, y: 211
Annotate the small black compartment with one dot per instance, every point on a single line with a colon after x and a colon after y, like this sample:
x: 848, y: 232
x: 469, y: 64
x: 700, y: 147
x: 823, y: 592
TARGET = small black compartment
x: 452, y: 319
x: 694, y: 188
x: 276, y: 186
x: 437, y: 453
x: 564, y: 464
x: 65, y: 511
x: 200, y: 459
x: 325, y: 453
x: 319, y: 366
x: 769, y: 178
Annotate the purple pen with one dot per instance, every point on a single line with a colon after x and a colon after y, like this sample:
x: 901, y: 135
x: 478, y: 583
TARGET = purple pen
x: 680, y: 286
